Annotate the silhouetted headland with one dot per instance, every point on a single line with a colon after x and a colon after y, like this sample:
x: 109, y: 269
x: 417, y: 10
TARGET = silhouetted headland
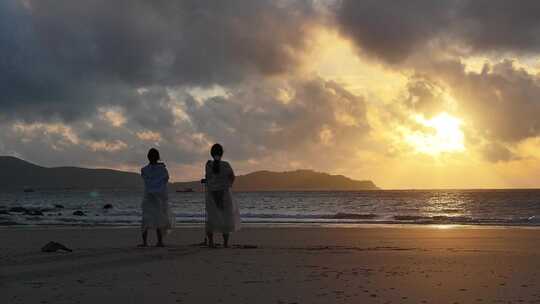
x: 17, y: 174
x: 299, y: 180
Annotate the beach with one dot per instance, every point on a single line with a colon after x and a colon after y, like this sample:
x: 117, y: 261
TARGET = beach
x: 357, y: 264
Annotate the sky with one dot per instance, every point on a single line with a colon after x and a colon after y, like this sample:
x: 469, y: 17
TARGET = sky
x: 409, y: 94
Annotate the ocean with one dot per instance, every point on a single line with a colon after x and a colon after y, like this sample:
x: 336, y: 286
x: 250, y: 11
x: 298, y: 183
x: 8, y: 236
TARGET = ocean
x: 518, y: 207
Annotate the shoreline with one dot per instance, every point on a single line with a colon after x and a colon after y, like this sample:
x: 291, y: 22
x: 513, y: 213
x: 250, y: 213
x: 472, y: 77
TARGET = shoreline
x: 292, y: 225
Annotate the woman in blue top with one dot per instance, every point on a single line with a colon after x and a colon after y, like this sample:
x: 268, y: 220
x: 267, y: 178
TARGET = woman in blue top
x: 156, y: 213
x: 223, y: 214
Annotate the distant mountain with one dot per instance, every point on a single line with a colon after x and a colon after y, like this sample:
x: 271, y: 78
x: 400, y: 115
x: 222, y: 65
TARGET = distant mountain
x: 17, y: 174
x: 299, y: 180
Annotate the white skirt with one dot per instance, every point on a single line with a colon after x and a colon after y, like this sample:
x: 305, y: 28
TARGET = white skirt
x: 225, y: 218
x: 156, y: 213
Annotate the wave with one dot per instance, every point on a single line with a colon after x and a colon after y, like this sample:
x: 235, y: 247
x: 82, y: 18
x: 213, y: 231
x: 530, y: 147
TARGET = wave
x: 465, y: 220
x: 133, y: 218
x: 354, y: 216
x: 339, y: 215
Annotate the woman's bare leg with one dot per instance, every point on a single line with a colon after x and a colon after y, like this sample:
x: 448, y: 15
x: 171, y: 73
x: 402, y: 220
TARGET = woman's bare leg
x: 159, y: 237
x: 210, y: 237
x: 144, y: 238
x: 226, y: 240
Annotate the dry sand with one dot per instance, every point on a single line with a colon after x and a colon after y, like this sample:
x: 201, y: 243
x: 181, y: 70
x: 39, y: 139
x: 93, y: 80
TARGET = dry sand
x: 290, y: 265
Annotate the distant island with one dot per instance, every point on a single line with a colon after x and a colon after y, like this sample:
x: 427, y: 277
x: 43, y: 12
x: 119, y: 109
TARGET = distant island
x: 299, y: 180
x: 17, y: 174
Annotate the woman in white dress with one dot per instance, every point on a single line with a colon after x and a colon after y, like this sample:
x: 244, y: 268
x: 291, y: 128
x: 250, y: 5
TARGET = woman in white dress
x: 223, y: 215
x: 156, y: 213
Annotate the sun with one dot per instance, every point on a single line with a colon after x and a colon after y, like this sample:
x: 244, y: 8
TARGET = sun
x: 441, y: 133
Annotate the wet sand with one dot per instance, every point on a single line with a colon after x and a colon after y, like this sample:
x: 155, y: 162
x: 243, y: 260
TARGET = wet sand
x: 289, y: 265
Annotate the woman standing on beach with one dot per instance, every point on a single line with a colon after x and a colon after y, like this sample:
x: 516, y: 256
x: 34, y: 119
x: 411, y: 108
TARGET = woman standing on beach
x: 223, y: 214
x: 156, y: 213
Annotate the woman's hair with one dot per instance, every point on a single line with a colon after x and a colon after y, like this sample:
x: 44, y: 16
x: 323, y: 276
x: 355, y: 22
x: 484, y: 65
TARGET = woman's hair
x: 216, y: 151
x: 153, y: 156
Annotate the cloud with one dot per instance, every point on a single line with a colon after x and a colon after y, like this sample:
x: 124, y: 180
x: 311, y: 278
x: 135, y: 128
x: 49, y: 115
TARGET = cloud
x: 254, y: 120
x: 102, y: 145
x: 501, y: 101
x: 501, y: 26
x: 319, y: 123
x: 149, y: 136
x: 431, y: 40
x: 97, y: 82
x: 64, y: 134
x: 499, y: 104
x: 112, y: 115
x: 393, y: 31
x: 59, y: 136
x: 425, y: 96
x: 63, y: 59
x: 497, y: 152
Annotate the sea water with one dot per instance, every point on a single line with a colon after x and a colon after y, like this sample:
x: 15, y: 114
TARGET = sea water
x: 516, y: 207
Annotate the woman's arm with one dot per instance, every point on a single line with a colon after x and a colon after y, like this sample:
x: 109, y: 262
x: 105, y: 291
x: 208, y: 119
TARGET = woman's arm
x: 166, y: 177
x: 231, y: 174
x: 143, y: 175
x: 207, y: 170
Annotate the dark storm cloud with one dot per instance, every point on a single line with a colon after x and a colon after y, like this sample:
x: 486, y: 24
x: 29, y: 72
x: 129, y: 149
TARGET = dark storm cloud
x: 152, y: 110
x: 500, y: 25
x: 316, y: 120
x: 391, y: 30
x: 394, y: 30
x: 254, y: 121
x: 61, y: 57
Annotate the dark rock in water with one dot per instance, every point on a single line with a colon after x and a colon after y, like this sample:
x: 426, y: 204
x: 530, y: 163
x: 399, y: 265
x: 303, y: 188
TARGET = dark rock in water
x: 18, y: 209
x: 59, y: 213
x: 33, y: 212
x: 78, y: 213
x: 107, y: 206
x: 53, y: 247
x: 58, y: 206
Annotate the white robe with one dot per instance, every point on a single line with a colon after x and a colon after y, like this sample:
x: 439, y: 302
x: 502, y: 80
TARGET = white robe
x: 156, y: 212
x: 227, y: 218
